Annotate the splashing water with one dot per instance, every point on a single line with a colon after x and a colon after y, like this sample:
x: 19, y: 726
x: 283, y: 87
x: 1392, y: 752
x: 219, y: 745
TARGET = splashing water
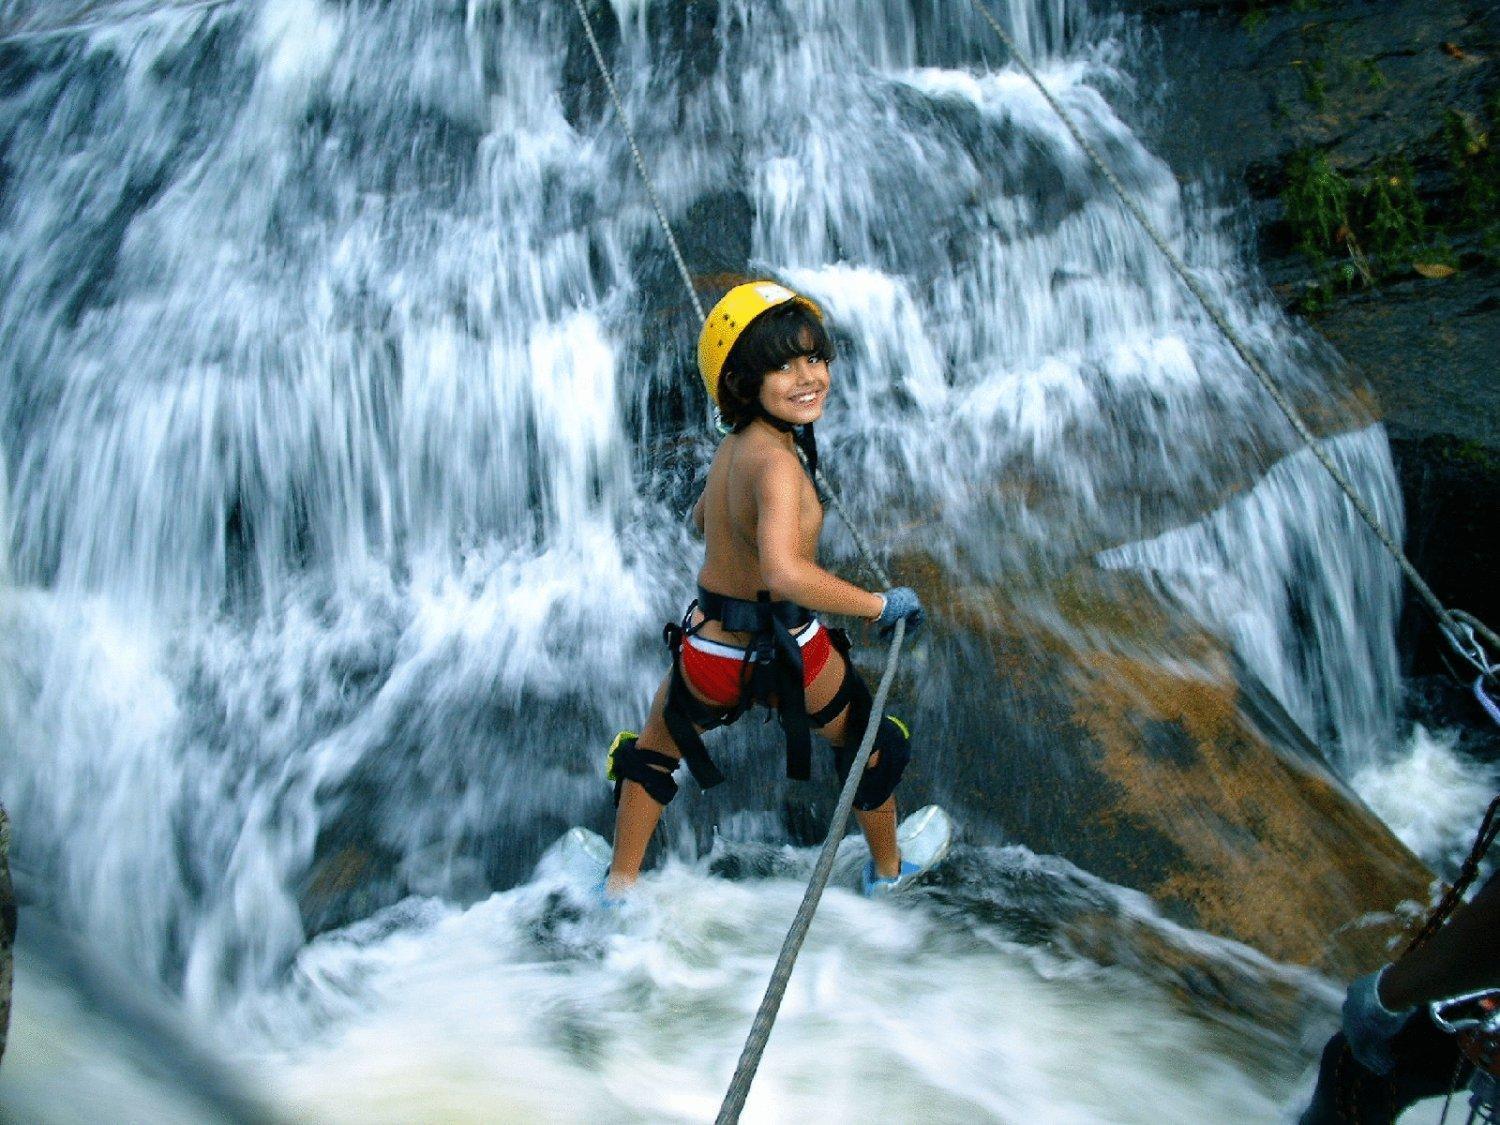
x: 344, y: 439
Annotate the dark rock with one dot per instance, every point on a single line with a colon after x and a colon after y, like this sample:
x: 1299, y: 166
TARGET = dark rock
x: 1357, y: 77
x: 1452, y: 489
x: 1244, y: 86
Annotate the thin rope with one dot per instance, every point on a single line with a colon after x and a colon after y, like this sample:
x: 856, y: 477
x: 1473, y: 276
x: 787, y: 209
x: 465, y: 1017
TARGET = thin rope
x: 765, y: 1016
x: 640, y: 161
x: 32, y: 35
x: 1489, y: 830
x: 1449, y: 626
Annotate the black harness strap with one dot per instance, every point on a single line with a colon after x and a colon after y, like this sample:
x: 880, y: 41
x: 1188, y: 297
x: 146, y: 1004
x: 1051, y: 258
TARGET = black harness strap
x: 851, y: 687
x: 685, y: 713
x: 773, y: 665
x: 630, y: 761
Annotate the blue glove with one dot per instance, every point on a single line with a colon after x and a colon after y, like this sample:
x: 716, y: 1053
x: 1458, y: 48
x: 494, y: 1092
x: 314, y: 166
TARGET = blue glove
x: 900, y: 603
x: 1369, y: 1025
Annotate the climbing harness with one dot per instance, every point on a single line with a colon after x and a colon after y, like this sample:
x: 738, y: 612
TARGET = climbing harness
x: 771, y: 672
x: 1462, y: 632
x: 1473, y: 1019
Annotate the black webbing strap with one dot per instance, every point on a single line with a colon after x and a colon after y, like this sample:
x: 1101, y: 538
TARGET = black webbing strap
x: 850, y: 687
x: 777, y: 675
x: 740, y: 615
x: 684, y: 713
x: 774, y: 664
x: 650, y: 769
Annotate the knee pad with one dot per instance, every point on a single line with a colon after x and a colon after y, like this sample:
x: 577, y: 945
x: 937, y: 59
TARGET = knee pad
x: 893, y: 743
x: 630, y: 761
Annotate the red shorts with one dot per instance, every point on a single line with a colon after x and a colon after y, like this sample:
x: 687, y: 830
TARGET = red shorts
x: 716, y: 670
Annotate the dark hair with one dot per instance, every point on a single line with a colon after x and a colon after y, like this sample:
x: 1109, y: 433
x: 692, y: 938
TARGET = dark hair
x: 775, y: 336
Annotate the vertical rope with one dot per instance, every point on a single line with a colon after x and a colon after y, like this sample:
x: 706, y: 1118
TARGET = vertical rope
x: 640, y: 161
x: 770, y: 1003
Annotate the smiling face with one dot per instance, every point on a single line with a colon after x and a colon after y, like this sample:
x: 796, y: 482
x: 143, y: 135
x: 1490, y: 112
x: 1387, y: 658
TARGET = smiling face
x: 795, y: 391
x: 778, y: 369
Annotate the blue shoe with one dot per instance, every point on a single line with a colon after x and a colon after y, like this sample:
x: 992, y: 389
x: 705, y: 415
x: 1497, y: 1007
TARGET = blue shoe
x: 924, y: 839
x: 877, y: 886
x: 604, y: 898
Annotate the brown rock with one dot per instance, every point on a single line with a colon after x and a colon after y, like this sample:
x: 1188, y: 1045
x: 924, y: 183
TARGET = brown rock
x: 1135, y: 747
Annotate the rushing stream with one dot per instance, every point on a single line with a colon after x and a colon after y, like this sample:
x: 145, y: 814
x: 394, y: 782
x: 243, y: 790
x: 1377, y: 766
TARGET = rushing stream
x: 346, y: 426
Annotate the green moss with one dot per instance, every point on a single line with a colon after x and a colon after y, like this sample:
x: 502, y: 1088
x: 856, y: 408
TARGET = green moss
x: 1315, y: 83
x: 1370, y: 71
x: 1360, y: 229
x: 1392, y: 215
x: 1317, y: 202
x: 1475, y: 164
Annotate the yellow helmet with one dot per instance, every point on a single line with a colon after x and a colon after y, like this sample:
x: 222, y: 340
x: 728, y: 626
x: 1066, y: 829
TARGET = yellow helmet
x: 730, y: 317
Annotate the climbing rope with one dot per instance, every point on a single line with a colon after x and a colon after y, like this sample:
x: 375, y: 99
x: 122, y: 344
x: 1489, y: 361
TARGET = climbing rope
x: 640, y: 161
x: 765, y: 1016
x: 1489, y: 829
x: 1462, y: 631
x: 687, y: 277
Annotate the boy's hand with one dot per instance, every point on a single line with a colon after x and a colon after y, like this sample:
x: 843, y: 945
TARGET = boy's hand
x: 901, y: 602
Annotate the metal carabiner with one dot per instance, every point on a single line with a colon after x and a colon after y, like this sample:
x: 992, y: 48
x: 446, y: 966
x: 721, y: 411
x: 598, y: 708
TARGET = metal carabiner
x: 1458, y: 630
x: 1472, y: 1011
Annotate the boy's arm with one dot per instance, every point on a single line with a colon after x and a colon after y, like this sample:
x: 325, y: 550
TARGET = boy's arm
x: 777, y: 481
x: 698, y: 511
x: 1464, y: 956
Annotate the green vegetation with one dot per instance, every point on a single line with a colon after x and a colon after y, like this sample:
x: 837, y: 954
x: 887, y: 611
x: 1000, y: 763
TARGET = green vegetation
x: 1357, y: 232
x: 1315, y: 82
x: 1475, y: 163
x: 1390, y: 211
x: 1369, y: 70
x: 1361, y: 227
x: 1316, y: 201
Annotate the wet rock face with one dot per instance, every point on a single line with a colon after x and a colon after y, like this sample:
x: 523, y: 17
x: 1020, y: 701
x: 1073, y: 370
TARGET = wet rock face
x: 1243, y: 88
x: 1119, y: 735
x: 7, y: 927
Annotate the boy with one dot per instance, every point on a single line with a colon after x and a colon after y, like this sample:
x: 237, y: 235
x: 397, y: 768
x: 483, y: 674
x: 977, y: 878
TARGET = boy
x: 751, y: 635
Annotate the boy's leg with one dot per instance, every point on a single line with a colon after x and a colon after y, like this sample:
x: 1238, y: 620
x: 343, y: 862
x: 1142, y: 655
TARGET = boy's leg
x: 638, y: 814
x: 879, y: 824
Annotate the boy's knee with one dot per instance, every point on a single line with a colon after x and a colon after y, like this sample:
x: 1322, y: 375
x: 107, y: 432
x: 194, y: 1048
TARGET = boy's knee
x: 652, y: 770
x: 888, y: 760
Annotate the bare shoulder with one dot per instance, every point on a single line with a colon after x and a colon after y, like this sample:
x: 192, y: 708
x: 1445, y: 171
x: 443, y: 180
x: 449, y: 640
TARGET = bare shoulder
x: 768, y: 465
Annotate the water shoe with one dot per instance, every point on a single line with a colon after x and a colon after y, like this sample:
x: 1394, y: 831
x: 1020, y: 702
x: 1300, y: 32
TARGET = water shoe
x: 924, y: 839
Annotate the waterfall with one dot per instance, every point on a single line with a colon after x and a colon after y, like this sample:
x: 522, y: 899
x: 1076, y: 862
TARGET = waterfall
x: 348, y: 416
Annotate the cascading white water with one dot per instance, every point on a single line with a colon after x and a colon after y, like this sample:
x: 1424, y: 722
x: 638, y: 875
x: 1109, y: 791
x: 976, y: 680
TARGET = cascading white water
x: 331, y: 394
